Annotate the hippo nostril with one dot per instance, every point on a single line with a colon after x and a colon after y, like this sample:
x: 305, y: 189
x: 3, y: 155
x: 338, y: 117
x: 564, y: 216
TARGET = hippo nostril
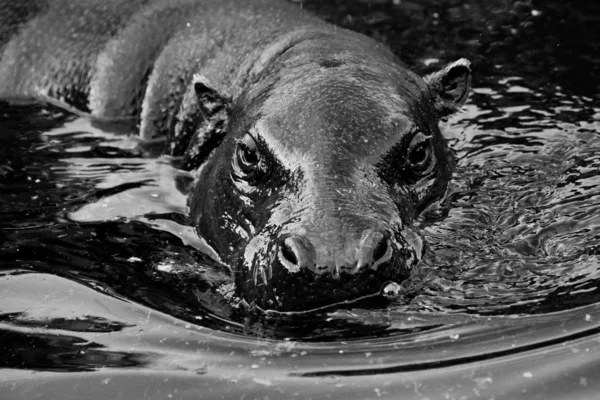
x: 380, y: 249
x: 296, y: 252
x: 288, y: 253
x: 375, y: 249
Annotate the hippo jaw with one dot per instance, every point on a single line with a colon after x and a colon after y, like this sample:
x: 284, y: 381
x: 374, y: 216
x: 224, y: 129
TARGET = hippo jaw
x: 312, y: 195
x: 287, y: 274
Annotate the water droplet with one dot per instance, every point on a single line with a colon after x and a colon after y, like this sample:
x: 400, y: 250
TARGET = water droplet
x: 391, y: 290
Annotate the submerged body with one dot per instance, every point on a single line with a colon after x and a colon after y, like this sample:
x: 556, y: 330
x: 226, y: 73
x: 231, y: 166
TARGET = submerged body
x: 315, y: 148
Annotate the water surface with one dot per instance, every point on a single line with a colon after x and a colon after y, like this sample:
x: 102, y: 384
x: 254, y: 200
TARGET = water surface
x: 107, y: 292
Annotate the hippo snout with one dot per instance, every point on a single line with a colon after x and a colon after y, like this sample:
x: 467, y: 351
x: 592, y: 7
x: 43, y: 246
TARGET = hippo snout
x: 296, y: 252
x: 297, y: 272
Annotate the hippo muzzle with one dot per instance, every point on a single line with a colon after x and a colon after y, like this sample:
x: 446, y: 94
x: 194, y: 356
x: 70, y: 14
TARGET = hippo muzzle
x: 313, y: 194
x: 334, y: 244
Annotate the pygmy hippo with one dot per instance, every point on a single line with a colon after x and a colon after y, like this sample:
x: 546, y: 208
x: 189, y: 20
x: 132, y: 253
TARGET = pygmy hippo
x: 315, y: 148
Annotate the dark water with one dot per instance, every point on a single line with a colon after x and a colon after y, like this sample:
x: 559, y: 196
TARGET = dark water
x: 106, y: 292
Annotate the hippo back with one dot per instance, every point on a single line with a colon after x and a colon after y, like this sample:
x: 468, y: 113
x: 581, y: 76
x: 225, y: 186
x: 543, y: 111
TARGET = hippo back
x: 132, y: 58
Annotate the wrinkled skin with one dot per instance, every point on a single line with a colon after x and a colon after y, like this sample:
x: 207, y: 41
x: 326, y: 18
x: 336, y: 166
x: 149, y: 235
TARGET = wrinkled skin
x: 315, y: 148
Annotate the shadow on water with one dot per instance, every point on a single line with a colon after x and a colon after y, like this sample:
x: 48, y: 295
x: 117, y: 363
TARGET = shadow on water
x: 106, y: 289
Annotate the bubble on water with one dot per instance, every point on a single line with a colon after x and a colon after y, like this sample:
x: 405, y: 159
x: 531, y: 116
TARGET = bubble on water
x: 391, y: 290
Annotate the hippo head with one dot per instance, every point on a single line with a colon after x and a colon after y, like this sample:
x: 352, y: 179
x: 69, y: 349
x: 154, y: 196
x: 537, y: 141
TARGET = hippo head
x: 331, y: 153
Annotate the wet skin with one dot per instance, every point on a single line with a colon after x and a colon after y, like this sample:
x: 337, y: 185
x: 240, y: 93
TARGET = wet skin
x: 315, y: 148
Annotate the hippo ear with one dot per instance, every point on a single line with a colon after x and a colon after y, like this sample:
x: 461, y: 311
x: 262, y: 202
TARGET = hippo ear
x: 210, y: 99
x: 450, y: 86
x: 207, y: 122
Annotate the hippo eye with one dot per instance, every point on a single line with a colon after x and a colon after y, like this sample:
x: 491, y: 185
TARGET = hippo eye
x: 420, y: 154
x: 248, y: 164
x: 248, y: 155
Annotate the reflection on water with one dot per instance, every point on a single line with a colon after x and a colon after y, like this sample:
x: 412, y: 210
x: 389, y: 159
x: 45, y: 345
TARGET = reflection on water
x: 105, y: 288
x: 520, y: 229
